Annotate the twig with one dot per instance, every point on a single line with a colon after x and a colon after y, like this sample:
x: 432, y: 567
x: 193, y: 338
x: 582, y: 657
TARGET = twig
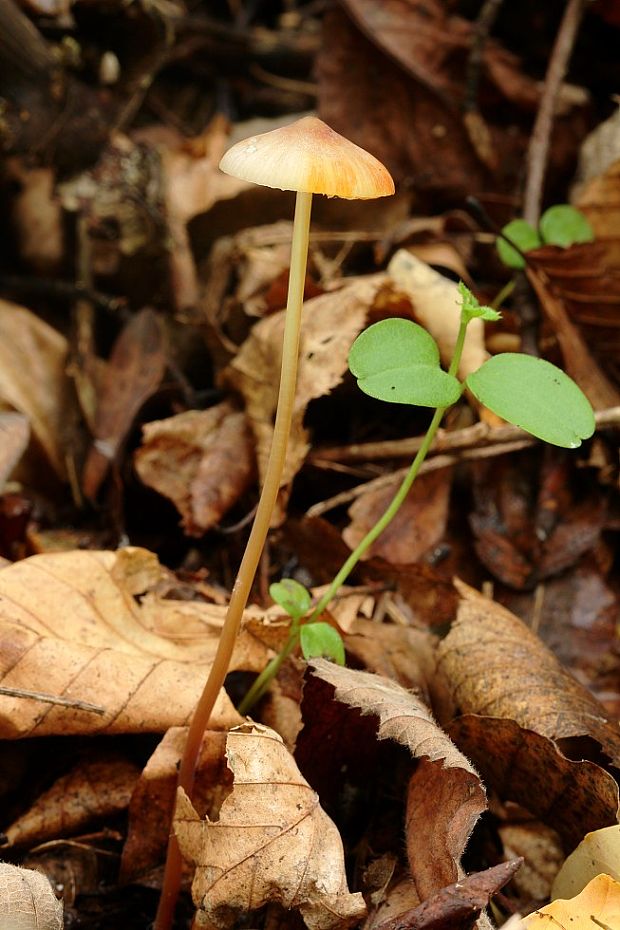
x: 21, y: 286
x: 52, y: 699
x: 471, y: 437
x: 482, y: 27
x: 538, y: 149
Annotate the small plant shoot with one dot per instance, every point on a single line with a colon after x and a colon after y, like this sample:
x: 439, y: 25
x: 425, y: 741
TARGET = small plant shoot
x: 292, y: 596
x: 471, y: 309
x: 561, y: 225
x: 398, y: 361
x: 320, y: 640
x: 535, y: 395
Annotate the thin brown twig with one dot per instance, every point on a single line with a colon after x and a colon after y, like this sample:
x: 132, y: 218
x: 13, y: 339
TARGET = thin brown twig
x: 538, y: 149
x: 471, y: 437
x: 52, y: 699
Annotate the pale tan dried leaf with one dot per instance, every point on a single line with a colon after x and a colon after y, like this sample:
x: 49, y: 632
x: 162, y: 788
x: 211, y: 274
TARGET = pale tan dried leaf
x: 272, y: 842
x: 495, y: 665
x: 33, y: 380
x: 27, y: 900
x: 598, y: 852
x: 542, y: 852
x: 90, y: 626
x: 417, y: 527
x: 152, y: 802
x: 94, y: 789
x: 37, y: 217
x: 437, y: 307
x: 14, y: 436
x: 599, y: 199
x: 330, y: 324
x: 202, y: 460
x: 445, y: 795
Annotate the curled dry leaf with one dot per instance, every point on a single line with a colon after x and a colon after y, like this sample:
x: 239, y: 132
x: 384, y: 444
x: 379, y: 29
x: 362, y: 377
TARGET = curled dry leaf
x: 494, y: 664
x: 598, y: 852
x: 445, y: 795
x: 437, y: 307
x: 202, y: 460
x: 598, y: 905
x: 523, y: 766
x: 94, y: 789
x: 33, y: 380
x: 330, y: 324
x: 152, y: 802
x: 91, y: 625
x: 27, y: 900
x: 271, y: 842
x: 133, y: 372
x: 417, y: 527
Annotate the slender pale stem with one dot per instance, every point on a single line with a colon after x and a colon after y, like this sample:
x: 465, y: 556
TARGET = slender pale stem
x: 254, y: 547
x: 262, y: 682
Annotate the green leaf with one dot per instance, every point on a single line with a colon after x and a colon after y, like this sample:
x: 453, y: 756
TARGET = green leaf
x: 292, y: 596
x: 398, y: 361
x: 535, y: 395
x: 471, y: 308
x: 523, y: 235
x: 563, y: 225
x: 321, y: 639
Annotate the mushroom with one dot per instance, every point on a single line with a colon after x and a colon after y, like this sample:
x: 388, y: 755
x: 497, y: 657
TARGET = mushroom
x: 310, y: 158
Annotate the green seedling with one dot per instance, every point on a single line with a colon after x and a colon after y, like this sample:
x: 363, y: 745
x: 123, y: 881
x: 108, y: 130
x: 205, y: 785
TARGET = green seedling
x: 397, y: 361
x: 561, y: 225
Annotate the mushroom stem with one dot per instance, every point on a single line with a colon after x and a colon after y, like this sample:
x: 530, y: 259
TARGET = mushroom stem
x: 254, y: 547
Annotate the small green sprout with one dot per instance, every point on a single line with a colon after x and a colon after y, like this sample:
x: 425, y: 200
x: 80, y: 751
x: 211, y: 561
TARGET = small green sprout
x: 561, y: 225
x: 397, y: 361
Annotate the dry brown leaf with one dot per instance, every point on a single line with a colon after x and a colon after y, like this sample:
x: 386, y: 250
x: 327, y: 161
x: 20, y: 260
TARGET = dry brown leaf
x: 133, y: 372
x: 94, y: 789
x: 580, y: 363
x: 542, y: 852
x: 418, y: 526
x: 330, y: 324
x: 495, y: 665
x: 152, y: 802
x: 33, y: 380
x: 401, y: 653
x: 437, y: 307
x: 271, y: 842
x: 37, y: 217
x: 27, y: 900
x: 522, y: 766
x: 90, y: 625
x: 202, y: 460
x: 598, y: 905
x: 445, y: 795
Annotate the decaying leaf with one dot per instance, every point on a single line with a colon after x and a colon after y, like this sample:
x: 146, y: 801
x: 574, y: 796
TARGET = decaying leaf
x: 27, y: 900
x: 445, y: 795
x: 598, y: 905
x: 598, y: 852
x: 495, y: 665
x: 202, y: 460
x: 91, y: 626
x: 330, y: 324
x: 133, y: 372
x: 271, y: 842
x: 542, y: 853
x: 523, y: 766
x: 94, y: 789
x: 33, y: 381
x: 152, y: 801
x: 14, y: 435
x: 417, y: 527
x: 437, y: 306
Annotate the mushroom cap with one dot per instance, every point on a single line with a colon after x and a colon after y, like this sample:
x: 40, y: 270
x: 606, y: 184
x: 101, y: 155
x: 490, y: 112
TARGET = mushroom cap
x: 309, y: 156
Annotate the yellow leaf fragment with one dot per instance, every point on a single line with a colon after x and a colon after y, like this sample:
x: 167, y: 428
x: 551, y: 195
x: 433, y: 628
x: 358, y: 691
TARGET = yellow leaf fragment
x: 598, y: 852
x: 272, y: 842
x: 598, y: 906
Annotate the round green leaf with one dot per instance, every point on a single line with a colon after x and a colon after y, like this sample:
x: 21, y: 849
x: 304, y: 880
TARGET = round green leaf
x: 398, y: 361
x: 535, y: 395
x: 523, y: 235
x: 563, y: 225
x: 292, y: 596
x: 321, y: 639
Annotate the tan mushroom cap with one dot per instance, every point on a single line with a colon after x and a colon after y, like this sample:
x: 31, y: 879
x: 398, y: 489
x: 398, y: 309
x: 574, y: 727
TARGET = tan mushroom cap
x: 309, y: 156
